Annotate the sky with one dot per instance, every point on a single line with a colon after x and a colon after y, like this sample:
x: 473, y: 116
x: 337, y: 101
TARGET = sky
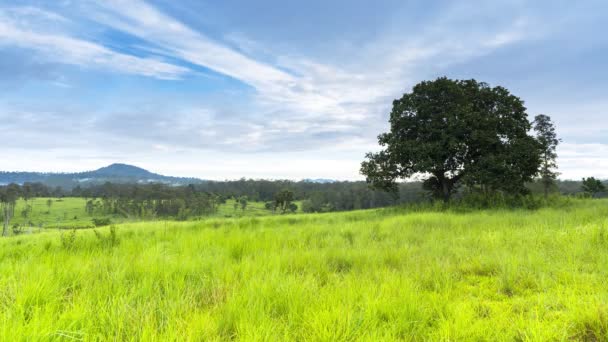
x: 279, y: 89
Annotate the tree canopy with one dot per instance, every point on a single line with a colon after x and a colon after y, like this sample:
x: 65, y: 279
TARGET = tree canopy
x: 454, y: 132
x: 592, y: 186
x: 548, y: 141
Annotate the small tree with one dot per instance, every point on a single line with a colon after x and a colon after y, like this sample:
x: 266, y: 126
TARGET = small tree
x: 243, y: 202
x: 592, y: 186
x: 25, y: 212
x: 8, y: 199
x: 547, y: 138
x: 283, y: 199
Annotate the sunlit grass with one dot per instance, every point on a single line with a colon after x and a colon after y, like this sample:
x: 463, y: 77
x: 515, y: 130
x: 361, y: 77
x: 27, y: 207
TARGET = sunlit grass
x: 368, y: 275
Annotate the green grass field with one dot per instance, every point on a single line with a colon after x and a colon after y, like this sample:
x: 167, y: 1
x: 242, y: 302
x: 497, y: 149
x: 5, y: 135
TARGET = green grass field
x: 63, y: 213
x: 369, y: 275
x: 70, y: 212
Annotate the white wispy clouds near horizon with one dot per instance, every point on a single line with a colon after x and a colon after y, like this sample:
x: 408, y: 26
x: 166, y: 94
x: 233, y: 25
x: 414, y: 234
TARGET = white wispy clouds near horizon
x: 188, y: 88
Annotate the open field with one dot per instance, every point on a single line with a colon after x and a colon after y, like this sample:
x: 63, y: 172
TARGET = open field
x: 367, y: 275
x: 69, y: 212
x: 63, y: 212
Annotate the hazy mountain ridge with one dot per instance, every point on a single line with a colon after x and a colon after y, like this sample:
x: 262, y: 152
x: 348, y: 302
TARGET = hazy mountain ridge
x: 115, y: 173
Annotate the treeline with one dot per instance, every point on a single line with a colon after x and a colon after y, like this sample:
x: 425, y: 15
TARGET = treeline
x: 149, y: 200
x: 183, y: 202
x: 315, y: 197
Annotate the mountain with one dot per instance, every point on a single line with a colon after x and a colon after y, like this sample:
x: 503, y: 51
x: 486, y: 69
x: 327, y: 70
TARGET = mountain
x: 115, y: 173
x: 123, y: 170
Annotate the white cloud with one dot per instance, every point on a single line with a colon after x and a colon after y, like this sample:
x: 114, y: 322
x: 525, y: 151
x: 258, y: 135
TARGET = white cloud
x: 583, y: 160
x: 310, y: 91
x: 332, y: 108
x: 142, y: 20
x: 68, y: 50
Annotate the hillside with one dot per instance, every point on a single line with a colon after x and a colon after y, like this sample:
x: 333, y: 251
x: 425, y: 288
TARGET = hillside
x: 373, y: 275
x: 115, y: 173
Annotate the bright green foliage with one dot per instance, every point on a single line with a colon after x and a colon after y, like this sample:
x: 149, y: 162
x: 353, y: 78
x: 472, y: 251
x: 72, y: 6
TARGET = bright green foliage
x: 373, y: 275
x: 67, y: 212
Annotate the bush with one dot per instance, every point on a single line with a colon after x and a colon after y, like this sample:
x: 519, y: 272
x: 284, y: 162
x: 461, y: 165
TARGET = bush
x: 99, y: 222
x: 478, y: 200
x: 17, y: 229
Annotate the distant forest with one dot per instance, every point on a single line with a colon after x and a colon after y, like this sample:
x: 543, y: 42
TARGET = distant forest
x: 316, y: 197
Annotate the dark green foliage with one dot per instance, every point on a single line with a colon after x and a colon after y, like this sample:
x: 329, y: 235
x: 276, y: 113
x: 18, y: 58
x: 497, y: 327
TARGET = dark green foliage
x: 269, y: 206
x: 8, y: 198
x: 548, y: 141
x: 151, y: 200
x: 453, y: 132
x: 592, y: 186
x: 243, y: 202
x: 283, y: 199
x: 17, y: 229
x: 101, y: 221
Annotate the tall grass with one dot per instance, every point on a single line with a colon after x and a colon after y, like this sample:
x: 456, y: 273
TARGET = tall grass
x: 369, y: 275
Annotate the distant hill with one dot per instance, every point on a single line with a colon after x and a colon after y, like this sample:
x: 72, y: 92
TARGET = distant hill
x: 115, y: 173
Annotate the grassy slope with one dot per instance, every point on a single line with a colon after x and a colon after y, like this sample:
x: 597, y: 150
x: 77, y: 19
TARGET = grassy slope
x: 367, y: 275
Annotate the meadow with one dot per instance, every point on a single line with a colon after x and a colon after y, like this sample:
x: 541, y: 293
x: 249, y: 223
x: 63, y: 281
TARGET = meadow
x: 69, y: 212
x: 373, y: 275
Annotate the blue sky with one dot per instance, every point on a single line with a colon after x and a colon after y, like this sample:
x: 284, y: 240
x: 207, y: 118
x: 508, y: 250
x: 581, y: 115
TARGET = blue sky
x: 279, y: 89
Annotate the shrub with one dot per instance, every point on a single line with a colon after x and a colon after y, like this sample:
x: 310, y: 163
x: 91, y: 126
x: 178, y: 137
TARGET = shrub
x: 99, y: 222
x: 17, y: 229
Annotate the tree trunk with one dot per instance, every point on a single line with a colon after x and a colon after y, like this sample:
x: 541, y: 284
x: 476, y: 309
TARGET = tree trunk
x: 7, y: 218
x: 446, y: 189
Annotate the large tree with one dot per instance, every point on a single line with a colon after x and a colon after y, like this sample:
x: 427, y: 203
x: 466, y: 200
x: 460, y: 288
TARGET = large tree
x: 547, y: 138
x: 454, y: 131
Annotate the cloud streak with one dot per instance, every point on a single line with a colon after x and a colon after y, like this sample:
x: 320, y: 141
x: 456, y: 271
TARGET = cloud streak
x: 254, y: 99
x: 146, y: 22
x: 69, y: 50
x: 298, y: 89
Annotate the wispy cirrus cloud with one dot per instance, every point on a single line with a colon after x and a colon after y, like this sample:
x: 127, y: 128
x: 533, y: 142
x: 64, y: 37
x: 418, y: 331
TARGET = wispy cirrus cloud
x: 62, y: 48
x: 299, y: 87
x: 142, y: 20
x: 299, y: 103
x: 264, y: 100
